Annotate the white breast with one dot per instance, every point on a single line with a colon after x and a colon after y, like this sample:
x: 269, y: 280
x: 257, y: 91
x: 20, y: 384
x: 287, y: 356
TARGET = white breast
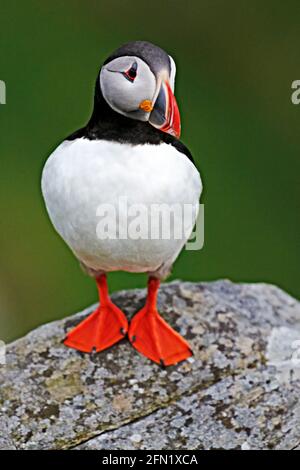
x: 82, y: 175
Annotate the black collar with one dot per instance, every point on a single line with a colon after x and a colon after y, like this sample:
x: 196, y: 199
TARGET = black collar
x: 107, y: 124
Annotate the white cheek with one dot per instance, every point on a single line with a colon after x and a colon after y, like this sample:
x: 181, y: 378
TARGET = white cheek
x: 125, y: 96
x: 143, y: 88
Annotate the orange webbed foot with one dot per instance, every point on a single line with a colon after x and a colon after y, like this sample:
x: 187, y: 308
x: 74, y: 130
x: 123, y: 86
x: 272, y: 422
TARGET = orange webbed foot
x: 151, y: 335
x: 104, y: 327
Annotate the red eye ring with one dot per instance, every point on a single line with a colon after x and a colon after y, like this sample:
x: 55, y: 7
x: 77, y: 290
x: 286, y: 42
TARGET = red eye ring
x: 131, y: 73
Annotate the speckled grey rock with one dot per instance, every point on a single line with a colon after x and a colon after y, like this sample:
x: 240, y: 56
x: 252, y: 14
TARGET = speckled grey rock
x: 240, y: 390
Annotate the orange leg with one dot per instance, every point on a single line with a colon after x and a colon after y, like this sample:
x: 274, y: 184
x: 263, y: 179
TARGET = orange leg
x: 103, y: 328
x: 153, y: 337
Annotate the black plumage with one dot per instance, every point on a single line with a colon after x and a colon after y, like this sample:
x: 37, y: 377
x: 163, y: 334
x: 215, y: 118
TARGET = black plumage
x: 107, y: 124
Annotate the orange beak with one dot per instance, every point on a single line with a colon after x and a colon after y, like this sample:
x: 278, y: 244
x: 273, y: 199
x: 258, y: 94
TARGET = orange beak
x: 165, y: 114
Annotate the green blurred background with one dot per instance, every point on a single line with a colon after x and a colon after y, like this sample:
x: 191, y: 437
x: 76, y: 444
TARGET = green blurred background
x: 236, y: 61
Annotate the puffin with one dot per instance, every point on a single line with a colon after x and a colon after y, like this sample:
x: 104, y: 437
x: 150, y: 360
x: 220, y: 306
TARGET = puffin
x: 129, y: 151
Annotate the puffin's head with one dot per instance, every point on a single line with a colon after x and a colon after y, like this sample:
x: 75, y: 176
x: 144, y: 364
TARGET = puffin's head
x: 137, y: 81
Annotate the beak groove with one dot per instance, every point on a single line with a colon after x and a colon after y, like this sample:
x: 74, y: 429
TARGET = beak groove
x: 165, y: 114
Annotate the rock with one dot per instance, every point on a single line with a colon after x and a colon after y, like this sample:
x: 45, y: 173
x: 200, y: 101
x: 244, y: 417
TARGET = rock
x: 240, y: 390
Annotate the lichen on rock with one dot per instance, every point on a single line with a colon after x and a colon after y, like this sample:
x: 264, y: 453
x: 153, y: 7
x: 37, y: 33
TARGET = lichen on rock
x: 240, y: 390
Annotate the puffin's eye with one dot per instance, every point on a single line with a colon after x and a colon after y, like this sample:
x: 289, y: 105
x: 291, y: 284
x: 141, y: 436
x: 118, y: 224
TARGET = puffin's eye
x: 131, y: 73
